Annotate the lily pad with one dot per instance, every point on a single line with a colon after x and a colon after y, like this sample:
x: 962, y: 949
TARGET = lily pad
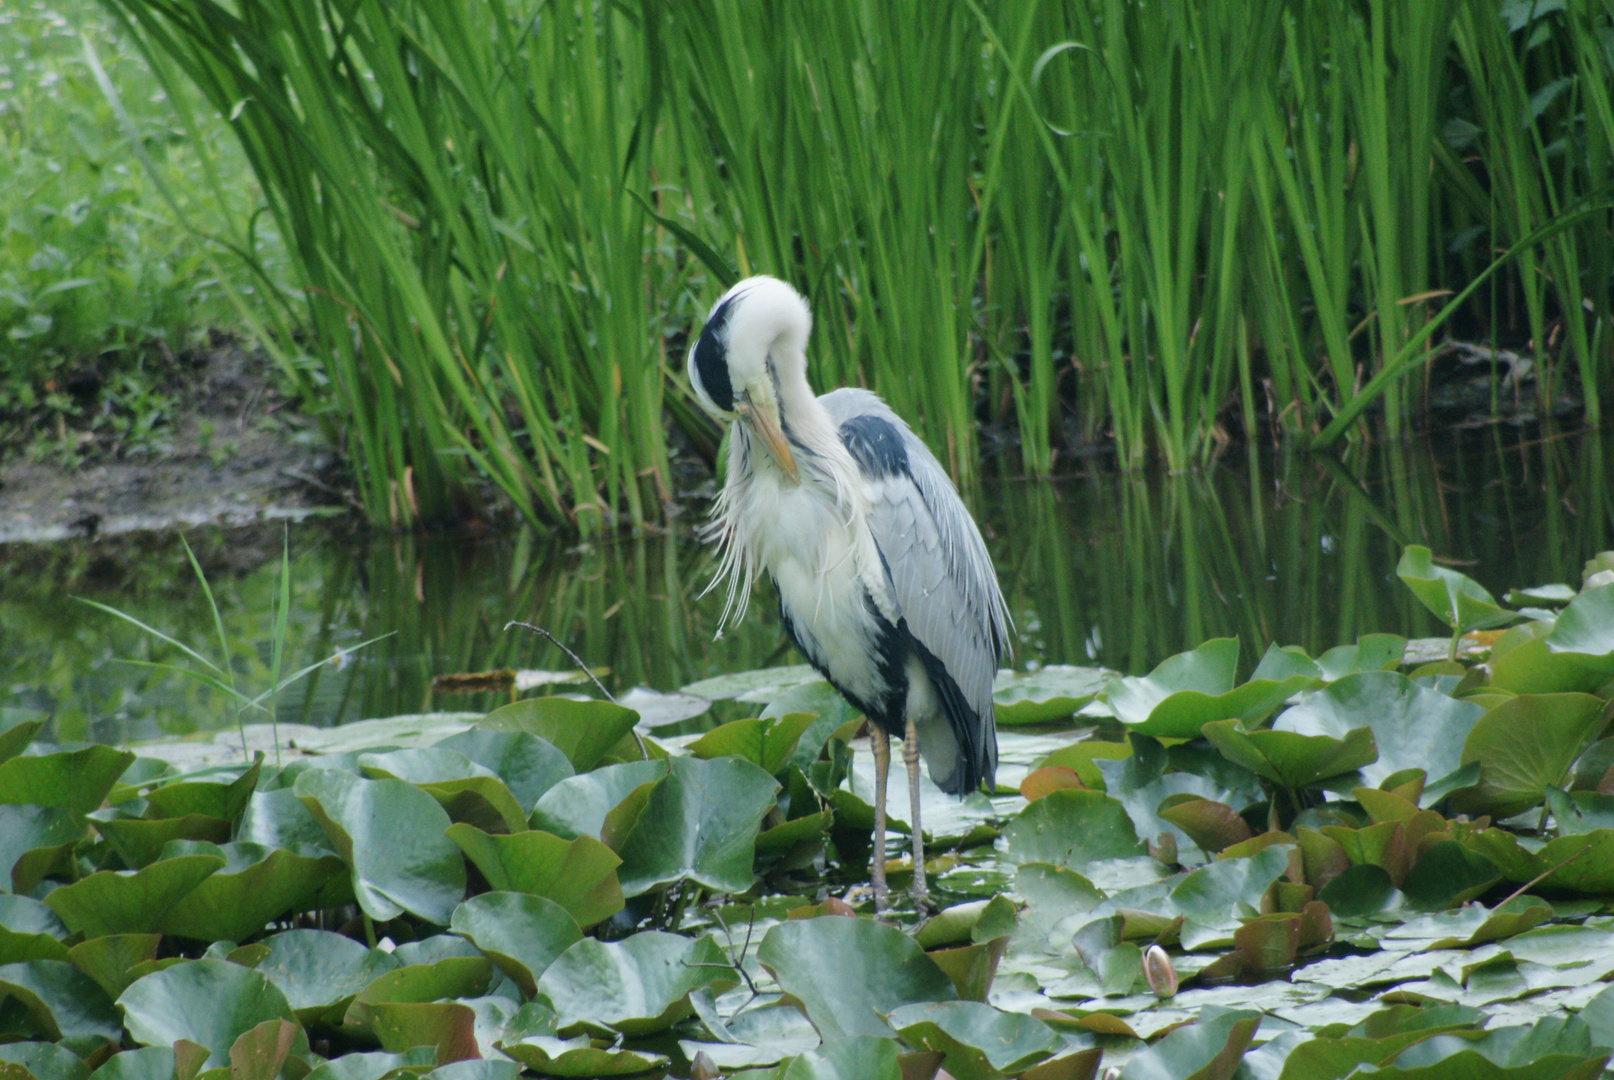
x: 1525, y: 745
x: 1456, y: 599
x: 577, y: 874
x: 767, y: 744
x: 637, y: 986
x: 1051, y: 692
x: 979, y: 1041
x: 1071, y: 828
x: 700, y: 824
x: 523, y: 934
x: 762, y: 685
x: 1210, y: 1049
x: 1189, y: 690
x: 73, y: 780
x: 1586, y: 628
x: 578, y: 805
x: 548, y: 1055
x: 41, y: 1061
x: 130, y: 901
x: 255, y: 886
x: 33, y: 840
x: 320, y: 972
x: 851, y: 973
x: 585, y: 731
x: 61, y: 1000
x: 390, y: 833
x: 1290, y: 759
x: 209, y: 1002
x: 528, y: 765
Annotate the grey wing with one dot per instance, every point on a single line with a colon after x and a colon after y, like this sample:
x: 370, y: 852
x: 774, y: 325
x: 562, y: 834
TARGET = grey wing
x: 940, y: 571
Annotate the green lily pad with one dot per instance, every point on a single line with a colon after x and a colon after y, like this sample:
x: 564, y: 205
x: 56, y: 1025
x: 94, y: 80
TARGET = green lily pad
x: 449, y: 1027
x: 979, y: 1041
x: 1447, y: 874
x: 1210, y: 1049
x: 41, y: 1061
x: 374, y: 1066
x: 73, y: 780
x: 1216, y: 897
x: 1586, y: 628
x: 823, y: 701
x: 700, y: 824
x: 210, y: 1002
x: 29, y: 931
x: 851, y: 973
x: 139, y: 842
x: 585, y: 731
x: 523, y: 934
x: 1521, y: 663
x: 130, y: 901
x: 761, y: 685
x: 577, y: 874
x: 33, y: 840
x: 1372, y: 652
x: 1210, y: 824
x: 209, y: 798
x: 278, y: 818
x: 390, y: 833
x: 1049, y: 693
x: 1583, y: 862
x: 1456, y: 599
x: 1292, y: 760
x: 528, y: 765
x: 548, y: 1055
x: 17, y: 729
x: 1413, y: 726
x: 61, y: 1000
x: 767, y: 744
x: 146, y: 1063
x: 579, y: 805
x: 320, y: 972
x: 1071, y: 828
x: 420, y: 765
x: 1525, y: 745
x: 637, y: 986
x: 255, y: 886
x: 111, y: 960
x: 1187, y: 691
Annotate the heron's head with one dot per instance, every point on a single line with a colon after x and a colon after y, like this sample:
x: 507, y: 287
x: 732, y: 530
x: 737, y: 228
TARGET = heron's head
x: 754, y: 342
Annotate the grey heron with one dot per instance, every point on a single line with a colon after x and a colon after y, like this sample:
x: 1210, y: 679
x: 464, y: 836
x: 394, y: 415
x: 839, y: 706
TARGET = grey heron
x: 885, y: 584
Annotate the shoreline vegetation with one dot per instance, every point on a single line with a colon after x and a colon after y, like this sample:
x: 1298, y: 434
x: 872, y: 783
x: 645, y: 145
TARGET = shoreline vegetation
x: 475, y: 239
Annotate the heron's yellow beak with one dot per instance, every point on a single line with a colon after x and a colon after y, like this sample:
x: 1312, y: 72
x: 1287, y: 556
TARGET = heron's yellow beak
x: 763, y: 419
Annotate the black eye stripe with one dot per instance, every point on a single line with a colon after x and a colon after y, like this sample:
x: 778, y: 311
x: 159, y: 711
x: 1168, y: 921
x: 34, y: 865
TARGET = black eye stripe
x: 711, y: 358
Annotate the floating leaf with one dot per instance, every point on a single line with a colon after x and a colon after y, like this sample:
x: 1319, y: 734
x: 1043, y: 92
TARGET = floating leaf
x: 320, y: 972
x: 700, y: 824
x: 527, y: 764
x: 1210, y: 824
x: 73, y: 780
x: 578, y: 805
x: 849, y: 973
x: 1413, y: 726
x: 1051, y: 692
x: 210, y: 1002
x: 767, y: 744
x: 1586, y: 628
x: 29, y: 931
x: 130, y: 901
x: 637, y: 986
x: 762, y: 685
x: 1071, y: 828
x: 260, y: 1053
x: 1521, y: 663
x: 146, y: 1063
x: 578, y: 874
x: 1210, y: 1049
x: 139, y: 843
x: 40, y: 1061
x: 1292, y: 760
x: 548, y: 1055
x: 523, y: 934
x: 1372, y: 652
x: 255, y: 886
x: 390, y: 833
x: 33, y: 839
x: 585, y: 731
x: 449, y: 1027
x: 1525, y: 745
x: 111, y: 960
x: 61, y: 1000
x: 278, y: 818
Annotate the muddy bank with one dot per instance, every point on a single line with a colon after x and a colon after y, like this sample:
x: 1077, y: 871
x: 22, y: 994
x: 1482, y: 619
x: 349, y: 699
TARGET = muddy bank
x: 230, y: 453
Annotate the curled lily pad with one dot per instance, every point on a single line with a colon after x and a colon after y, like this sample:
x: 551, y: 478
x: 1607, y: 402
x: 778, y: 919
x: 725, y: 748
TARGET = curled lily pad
x: 1049, y: 693
x: 1189, y: 690
x: 579, y: 805
x: 585, y: 731
x: 256, y: 885
x: 1586, y: 628
x: 699, y: 824
x: 33, y: 840
x: 390, y: 833
x: 577, y: 874
x: 979, y: 1041
x: 1290, y: 759
x: 41, y: 1061
x: 1525, y: 745
x: 73, y: 780
x: 132, y: 901
x: 528, y: 765
x: 523, y: 934
x: 1210, y: 1049
x: 850, y: 973
x: 29, y: 931
x: 61, y: 1000
x: 766, y: 743
x: 548, y: 1055
x: 637, y: 986
x: 210, y: 1002
x: 1456, y: 599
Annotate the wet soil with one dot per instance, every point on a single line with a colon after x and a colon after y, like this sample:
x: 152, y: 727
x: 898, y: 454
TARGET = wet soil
x: 231, y: 452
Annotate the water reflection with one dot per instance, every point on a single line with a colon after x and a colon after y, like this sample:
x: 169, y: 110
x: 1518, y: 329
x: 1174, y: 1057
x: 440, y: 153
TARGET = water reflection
x: 1121, y: 570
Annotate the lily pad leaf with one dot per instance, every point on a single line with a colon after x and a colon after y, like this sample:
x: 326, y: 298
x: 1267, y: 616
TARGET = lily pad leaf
x: 1372, y: 652
x: 766, y: 743
x: 579, y: 805
x: 130, y: 901
x: 29, y: 931
x: 850, y: 973
x: 41, y: 1061
x: 320, y: 972
x: 1524, y: 746
x: 577, y: 874
x: 1292, y: 760
x: 585, y: 731
x: 390, y: 833
x: 33, y: 839
x: 1071, y: 828
x: 1456, y: 599
x: 522, y: 933
x: 700, y: 824
x: 549, y: 1055
x: 528, y: 765
x: 979, y: 1041
x: 255, y: 886
x: 1051, y: 692
x: 61, y: 1000
x: 761, y: 686
x: 637, y: 986
x: 1414, y: 727
x: 1210, y: 1049
x: 1586, y: 628
x: 73, y: 780
x: 209, y: 1002
x: 1192, y: 689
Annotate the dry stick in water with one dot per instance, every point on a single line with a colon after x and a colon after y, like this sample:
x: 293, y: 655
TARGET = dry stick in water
x: 644, y: 751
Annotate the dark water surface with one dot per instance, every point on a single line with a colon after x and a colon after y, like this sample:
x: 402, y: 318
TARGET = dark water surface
x: 1120, y: 570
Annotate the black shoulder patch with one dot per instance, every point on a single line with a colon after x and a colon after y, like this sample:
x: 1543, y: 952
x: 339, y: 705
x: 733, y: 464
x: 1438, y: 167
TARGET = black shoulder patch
x: 876, y: 445
x: 711, y: 358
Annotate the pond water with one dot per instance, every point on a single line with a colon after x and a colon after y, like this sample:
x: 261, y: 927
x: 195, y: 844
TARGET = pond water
x: 1099, y: 568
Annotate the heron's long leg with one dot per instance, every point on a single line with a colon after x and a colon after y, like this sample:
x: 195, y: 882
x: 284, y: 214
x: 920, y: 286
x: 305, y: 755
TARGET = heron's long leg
x: 910, y: 758
x: 882, y: 766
